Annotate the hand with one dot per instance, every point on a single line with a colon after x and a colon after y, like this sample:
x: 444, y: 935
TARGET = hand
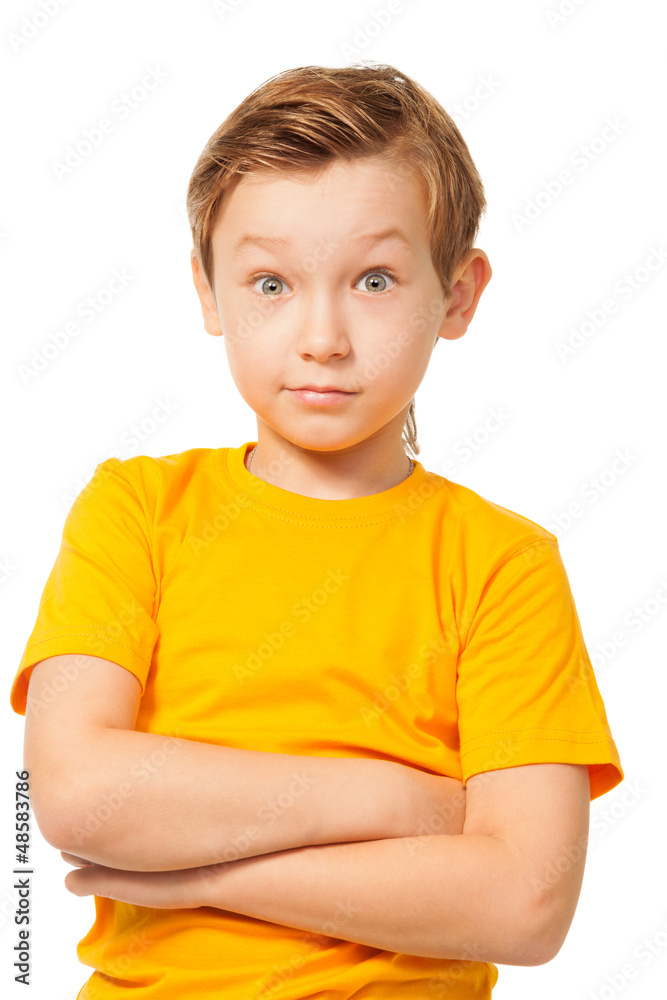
x: 74, y: 859
x: 437, y: 804
x: 179, y: 889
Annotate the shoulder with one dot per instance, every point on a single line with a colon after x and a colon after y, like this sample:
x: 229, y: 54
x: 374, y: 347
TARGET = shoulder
x: 155, y: 478
x: 481, y: 527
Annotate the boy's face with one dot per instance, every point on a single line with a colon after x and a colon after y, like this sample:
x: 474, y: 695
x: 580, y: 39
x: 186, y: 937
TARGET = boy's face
x: 315, y: 311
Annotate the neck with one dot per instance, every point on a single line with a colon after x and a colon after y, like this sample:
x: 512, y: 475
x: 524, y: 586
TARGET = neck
x: 322, y: 490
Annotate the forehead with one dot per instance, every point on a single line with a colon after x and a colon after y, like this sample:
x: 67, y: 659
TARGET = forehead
x: 248, y: 241
x: 360, y: 203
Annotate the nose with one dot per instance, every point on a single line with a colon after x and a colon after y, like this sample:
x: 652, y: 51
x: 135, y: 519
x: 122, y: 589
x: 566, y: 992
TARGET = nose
x: 323, y: 327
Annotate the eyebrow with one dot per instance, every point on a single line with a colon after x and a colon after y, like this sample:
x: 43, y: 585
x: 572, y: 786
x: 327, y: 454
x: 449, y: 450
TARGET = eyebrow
x: 361, y: 239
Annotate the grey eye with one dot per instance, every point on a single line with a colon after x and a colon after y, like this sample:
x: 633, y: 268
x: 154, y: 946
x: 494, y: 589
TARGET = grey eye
x: 271, y: 286
x: 375, y: 281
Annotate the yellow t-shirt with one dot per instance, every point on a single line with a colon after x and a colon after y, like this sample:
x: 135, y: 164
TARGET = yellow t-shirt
x: 423, y: 624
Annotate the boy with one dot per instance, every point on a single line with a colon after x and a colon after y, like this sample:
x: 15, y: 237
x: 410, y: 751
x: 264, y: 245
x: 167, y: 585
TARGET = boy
x: 310, y: 720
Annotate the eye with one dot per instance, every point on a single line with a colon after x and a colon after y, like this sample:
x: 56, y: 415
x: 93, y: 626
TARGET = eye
x: 271, y: 285
x: 376, y: 280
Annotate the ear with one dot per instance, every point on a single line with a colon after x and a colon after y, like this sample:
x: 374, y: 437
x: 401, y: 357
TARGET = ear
x: 470, y: 279
x: 208, y: 306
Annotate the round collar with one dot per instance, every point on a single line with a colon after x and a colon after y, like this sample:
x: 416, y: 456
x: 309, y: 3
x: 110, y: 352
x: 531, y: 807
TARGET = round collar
x: 273, y: 500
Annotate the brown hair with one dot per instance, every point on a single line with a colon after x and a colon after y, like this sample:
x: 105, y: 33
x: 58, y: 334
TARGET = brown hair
x: 305, y: 118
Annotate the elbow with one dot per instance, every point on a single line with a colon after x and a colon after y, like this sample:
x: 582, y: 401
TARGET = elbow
x: 543, y: 934
x: 48, y: 816
x: 553, y: 935
x: 541, y: 950
x: 530, y: 948
x: 75, y: 833
x: 48, y: 825
x: 84, y: 821
x: 56, y: 810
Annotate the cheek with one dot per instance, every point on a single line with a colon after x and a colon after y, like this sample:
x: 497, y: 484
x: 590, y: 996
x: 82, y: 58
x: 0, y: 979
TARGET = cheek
x: 253, y: 363
x: 239, y: 312
x: 395, y: 357
x: 249, y: 322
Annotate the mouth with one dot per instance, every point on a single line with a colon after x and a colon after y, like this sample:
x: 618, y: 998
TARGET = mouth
x: 324, y: 396
x: 321, y: 388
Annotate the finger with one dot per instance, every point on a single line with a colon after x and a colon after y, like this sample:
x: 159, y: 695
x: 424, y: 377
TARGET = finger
x: 74, y: 859
x: 136, y: 888
x: 79, y: 883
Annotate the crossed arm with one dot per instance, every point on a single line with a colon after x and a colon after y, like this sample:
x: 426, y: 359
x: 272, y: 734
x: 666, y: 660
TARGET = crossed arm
x: 369, y: 851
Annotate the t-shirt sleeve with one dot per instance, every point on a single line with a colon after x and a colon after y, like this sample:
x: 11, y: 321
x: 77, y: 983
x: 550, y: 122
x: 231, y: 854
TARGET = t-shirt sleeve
x: 526, y: 689
x: 100, y: 596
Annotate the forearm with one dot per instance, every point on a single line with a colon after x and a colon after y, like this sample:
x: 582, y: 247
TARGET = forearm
x: 147, y: 802
x: 453, y: 897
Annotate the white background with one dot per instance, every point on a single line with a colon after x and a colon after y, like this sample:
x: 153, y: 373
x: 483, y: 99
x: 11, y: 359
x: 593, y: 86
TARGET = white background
x: 552, y: 81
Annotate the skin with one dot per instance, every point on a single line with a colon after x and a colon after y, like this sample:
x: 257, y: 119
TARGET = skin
x: 326, y: 326
x: 174, y: 890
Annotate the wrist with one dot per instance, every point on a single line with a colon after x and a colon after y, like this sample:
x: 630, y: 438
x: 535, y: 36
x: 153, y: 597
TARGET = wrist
x: 364, y: 800
x: 437, y: 805
x: 208, y: 880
